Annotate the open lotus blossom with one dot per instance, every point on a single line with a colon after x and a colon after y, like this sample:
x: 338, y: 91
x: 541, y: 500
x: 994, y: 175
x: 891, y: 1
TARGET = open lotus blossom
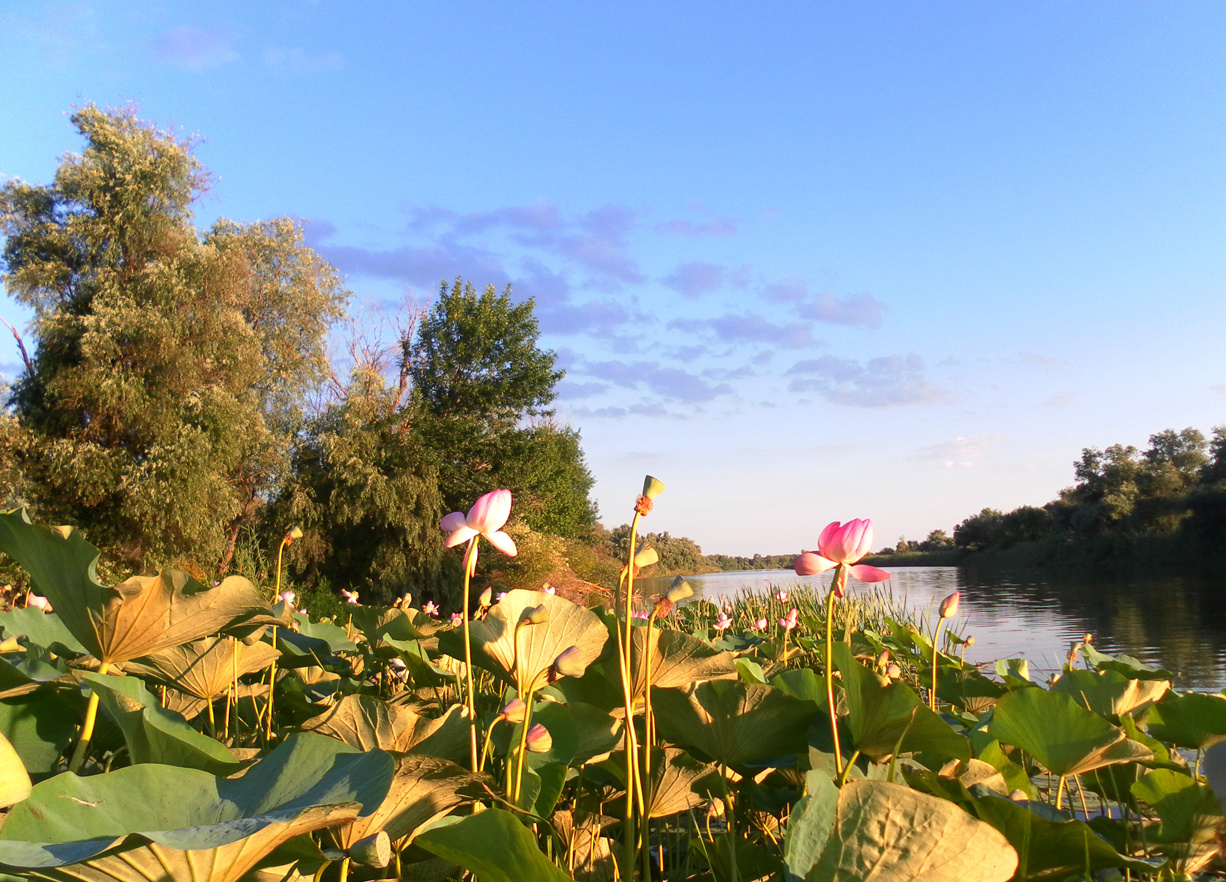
x: 640, y: 615
x: 781, y: 596
x: 350, y: 596
x: 486, y: 518
x: 549, y: 589
x: 760, y: 624
x: 723, y: 623
x: 430, y: 608
x: 38, y: 602
x: 842, y: 545
x: 456, y: 618
x: 949, y: 606
x: 790, y: 621
x: 288, y: 598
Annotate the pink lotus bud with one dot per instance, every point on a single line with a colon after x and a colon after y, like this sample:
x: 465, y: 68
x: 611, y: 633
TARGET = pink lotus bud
x: 723, y: 623
x: 486, y: 598
x: 760, y: 624
x: 781, y: 595
x: 569, y: 663
x: 893, y: 671
x: 539, y: 739
x: 514, y: 711
x: 949, y: 606
x: 883, y: 659
x: 38, y: 602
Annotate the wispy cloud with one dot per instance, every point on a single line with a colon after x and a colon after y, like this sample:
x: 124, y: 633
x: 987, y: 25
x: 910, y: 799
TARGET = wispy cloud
x: 672, y: 383
x: 888, y: 381
x: 748, y: 329
x: 295, y: 59
x: 696, y: 279
x: 194, y: 48
x: 857, y: 311
x: 423, y: 265
x: 1043, y: 362
x: 716, y: 226
x: 963, y: 453
x: 1069, y: 397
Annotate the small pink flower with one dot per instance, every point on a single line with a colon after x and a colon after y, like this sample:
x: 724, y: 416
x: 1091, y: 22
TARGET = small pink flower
x: 500, y: 595
x: 549, y: 589
x: 486, y: 518
x: 288, y: 598
x: 789, y: 623
x: 350, y: 596
x: 640, y: 615
x: 760, y: 624
x: 399, y: 669
x: 782, y: 595
x: 38, y: 602
x: 723, y: 623
x: 514, y: 711
x: 430, y: 608
x: 457, y: 618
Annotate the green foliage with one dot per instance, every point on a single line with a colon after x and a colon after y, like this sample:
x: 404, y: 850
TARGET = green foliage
x: 159, y: 404
x: 679, y: 555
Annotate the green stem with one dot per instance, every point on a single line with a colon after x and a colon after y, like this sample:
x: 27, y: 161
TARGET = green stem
x: 834, y: 717
x: 87, y: 730
x: 932, y: 696
x: 523, y: 748
x: 272, y: 685
x: 633, y: 787
x: 1060, y: 794
x: 855, y: 755
x: 470, y: 701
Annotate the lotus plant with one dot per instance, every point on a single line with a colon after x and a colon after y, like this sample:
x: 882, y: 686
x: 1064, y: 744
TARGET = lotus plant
x: 486, y: 518
x: 947, y: 610
x: 839, y: 547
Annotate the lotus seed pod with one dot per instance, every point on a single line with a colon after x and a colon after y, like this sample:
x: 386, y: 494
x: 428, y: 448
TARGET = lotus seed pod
x: 679, y: 590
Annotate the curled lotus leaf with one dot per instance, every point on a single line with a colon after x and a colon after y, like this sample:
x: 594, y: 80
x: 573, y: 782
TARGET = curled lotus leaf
x: 1194, y: 720
x: 370, y: 723
x: 1060, y: 734
x: 677, y: 660
x: 206, y: 668
x: 494, y: 638
x: 1110, y: 693
x: 137, y: 617
x: 186, y: 824
x: 673, y: 775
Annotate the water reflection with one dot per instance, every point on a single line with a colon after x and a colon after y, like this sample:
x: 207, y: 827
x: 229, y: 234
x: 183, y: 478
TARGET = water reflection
x: 1175, y: 622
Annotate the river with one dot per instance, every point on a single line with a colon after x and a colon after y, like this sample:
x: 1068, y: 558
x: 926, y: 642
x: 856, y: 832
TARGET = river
x: 1175, y: 622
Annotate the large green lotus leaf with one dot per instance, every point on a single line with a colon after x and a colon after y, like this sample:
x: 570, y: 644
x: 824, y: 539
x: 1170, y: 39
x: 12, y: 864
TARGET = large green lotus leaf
x: 206, y: 668
x: 138, y: 617
x: 26, y: 674
x: 1060, y: 734
x: 890, y: 833
x: 423, y: 790
x: 336, y: 637
x: 1051, y: 849
x: 803, y: 683
x: 45, y: 629
x: 1108, y: 692
x: 202, y: 826
x: 967, y: 688
x: 494, y: 846
x: 677, y: 661
x: 1195, y: 720
x: 733, y: 722
x: 494, y: 640
x: 1186, y: 808
x: 154, y: 734
x: 368, y: 723
x: 880, y: 713
x: 40, y: 726
x: 1122, y: 664
x: 14, y: 779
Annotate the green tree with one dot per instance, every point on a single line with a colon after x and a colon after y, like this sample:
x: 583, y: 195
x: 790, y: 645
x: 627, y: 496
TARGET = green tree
x: 1025, y: 524
x: 979, y: 531
x: 159, y: 404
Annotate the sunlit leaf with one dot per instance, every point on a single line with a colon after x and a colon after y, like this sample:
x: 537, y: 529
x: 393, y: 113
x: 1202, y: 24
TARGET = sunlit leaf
x: 494, y: 846
x: 206, y: 668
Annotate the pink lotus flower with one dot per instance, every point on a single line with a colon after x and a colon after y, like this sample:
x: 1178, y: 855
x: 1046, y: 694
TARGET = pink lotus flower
x: 949, y: 606
x: 549, y: 589
x: 456, y: 618
x: 841, y: 545
x: 38, y: 602
x: 399, y: 669
x: 640, y: 615
x: 760, y: 624
x: 430, y: 608
x: 350, y: 596
x: 288, y: 598
x: 539, y: 739
x: 723, y: 623
x: 782, y: 595
x: 790, y: 621
x: 486, y: 518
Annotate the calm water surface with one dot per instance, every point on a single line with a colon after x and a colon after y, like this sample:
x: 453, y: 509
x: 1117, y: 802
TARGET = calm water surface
x: 1176, y: 622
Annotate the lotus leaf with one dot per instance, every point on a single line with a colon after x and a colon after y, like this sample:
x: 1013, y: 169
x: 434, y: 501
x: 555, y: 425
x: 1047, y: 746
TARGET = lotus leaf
x: 494, y: 638
x: 42, y: 628
x: 1122, y: 664
x: 494, y: 846
x: 185, y: 824
x: 138, y: 617
x: 1194, y: 720
x: 206, y: 668
x: 369, y: 723
x: 733, y: 722
x: 1110, y: 693
x: 14, y: 779
x: 154, y: 734
x: 890, y: 833
x: 879, y: 714
x: 1060, y: 734
x: 811, y: 823
x: 677, y: 661
x: 40, y: 726
x: 1186, y: 808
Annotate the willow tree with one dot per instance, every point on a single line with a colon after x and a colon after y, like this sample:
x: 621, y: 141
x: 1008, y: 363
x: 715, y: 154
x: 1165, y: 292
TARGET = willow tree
x: 159, y: 403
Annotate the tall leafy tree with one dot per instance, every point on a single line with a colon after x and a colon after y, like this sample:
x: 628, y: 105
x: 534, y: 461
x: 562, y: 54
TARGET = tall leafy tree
x: 159, y: 404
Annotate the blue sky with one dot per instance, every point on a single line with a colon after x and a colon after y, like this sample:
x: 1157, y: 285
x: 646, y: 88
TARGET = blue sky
x: 801, y: 261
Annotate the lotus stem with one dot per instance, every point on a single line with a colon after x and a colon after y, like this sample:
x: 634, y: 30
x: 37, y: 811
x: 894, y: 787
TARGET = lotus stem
x: 932, y: 695
x: 1060, y: 794
x: 272, y: 684
x: 468, y: 657
x: 834, y: 716
x: 633, y: 787
x: 850, y: 762
x: 87, y: 729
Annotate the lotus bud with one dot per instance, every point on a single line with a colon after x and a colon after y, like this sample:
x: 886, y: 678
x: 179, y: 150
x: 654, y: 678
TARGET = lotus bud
x: 569, y: 663
x: 486, y: 598
x: 549, y: 589
x: 538, y: 615
x: 949, y: 606
x: 38, y: 602
x: 679, y: 590
x: 539, y: 739
x: 970, y: 641
x: 760, y: 624
x: 893, y: 671
x: 514, y: 711
x: 1019, y: 796
x: 883, y: 659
